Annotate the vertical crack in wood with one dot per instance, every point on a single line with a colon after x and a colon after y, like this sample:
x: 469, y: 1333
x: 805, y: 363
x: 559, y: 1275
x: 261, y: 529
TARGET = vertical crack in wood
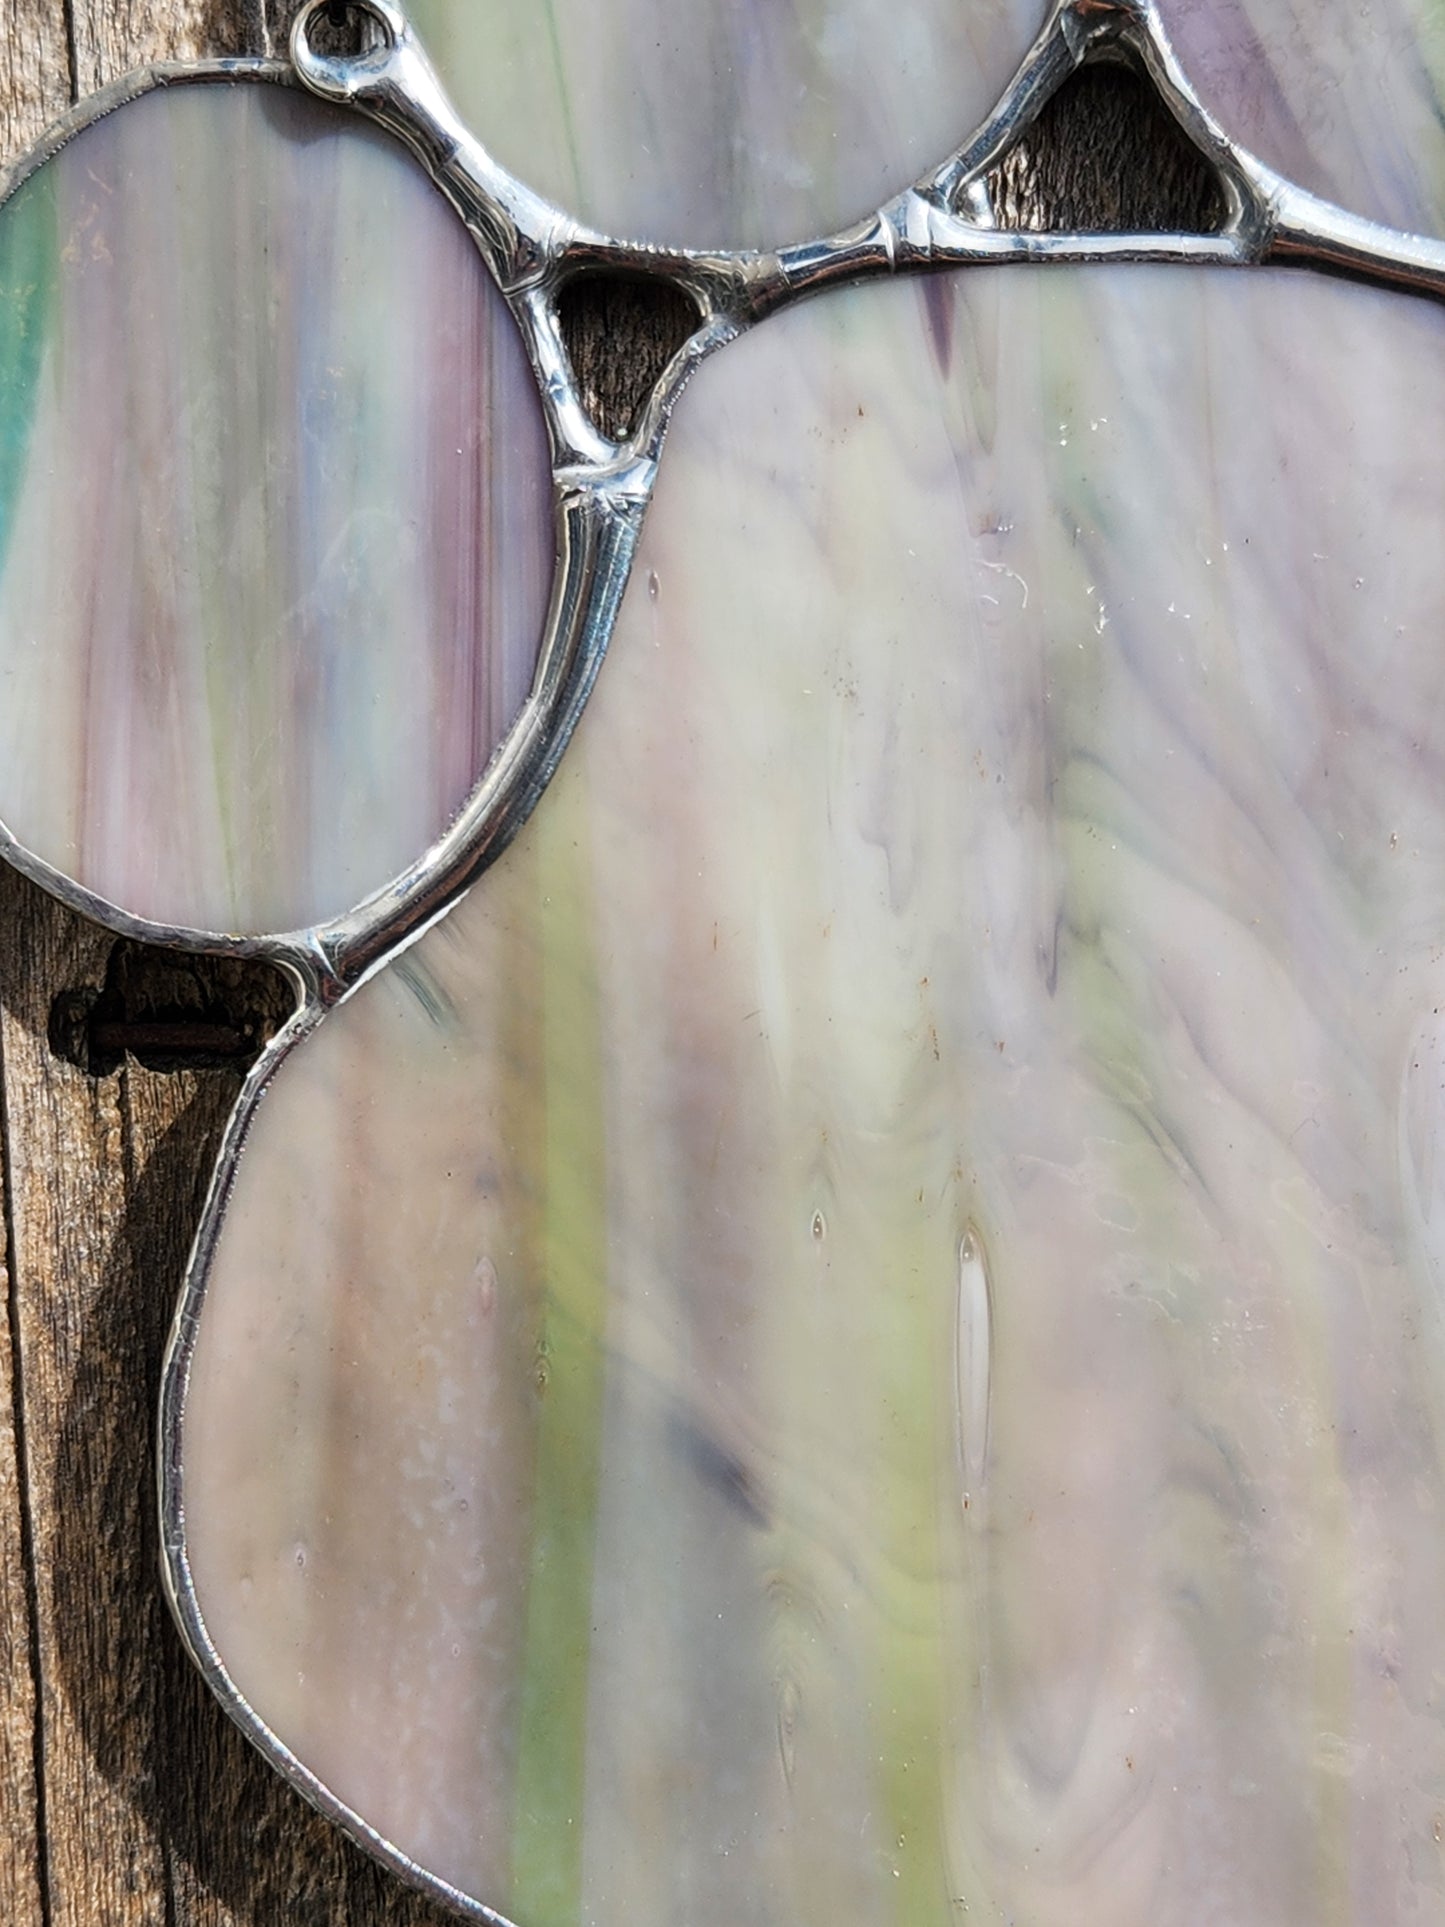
x: 25, y: 1492
x: 72, y: 48
x: 132, y: 1135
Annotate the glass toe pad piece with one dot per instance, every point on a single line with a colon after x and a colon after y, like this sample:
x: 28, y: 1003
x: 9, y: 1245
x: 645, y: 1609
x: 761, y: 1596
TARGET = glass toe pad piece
x: 275, y: 510
x: 857, y: 1333
x: 713, y: 124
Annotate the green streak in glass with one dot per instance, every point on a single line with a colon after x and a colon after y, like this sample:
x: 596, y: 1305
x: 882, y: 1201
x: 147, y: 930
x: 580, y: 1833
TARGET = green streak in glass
x: 28, y: 260
x: 910, y: 1666
x: 559, y: 68
x: 552, y: 1736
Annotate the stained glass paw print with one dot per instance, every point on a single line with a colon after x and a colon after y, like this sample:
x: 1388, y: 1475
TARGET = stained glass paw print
x: 826, y: 1308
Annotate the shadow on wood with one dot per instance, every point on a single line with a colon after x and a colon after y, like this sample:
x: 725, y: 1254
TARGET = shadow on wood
x: 151, y: 1805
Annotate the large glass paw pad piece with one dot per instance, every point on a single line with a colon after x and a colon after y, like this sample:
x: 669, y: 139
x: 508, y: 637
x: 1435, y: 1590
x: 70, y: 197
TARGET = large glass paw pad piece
x: 850, y: 1333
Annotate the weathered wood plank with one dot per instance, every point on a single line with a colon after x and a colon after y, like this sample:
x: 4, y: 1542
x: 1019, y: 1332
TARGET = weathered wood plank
x: 154, y: 1808
x: 72, y: 1150
x: 35, y: 86
x: 21, y: 1738
x: 34, y: 71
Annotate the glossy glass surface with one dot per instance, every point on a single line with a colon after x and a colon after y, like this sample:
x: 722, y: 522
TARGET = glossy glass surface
x: 718, y: 124
x: 857, y: 1335
x: 723, y: 123
x: 1345, y: 100
x: 248, y: 351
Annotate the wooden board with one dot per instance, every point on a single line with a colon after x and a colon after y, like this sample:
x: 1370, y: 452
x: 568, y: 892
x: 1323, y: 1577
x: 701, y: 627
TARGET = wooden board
x: 125, y: 1795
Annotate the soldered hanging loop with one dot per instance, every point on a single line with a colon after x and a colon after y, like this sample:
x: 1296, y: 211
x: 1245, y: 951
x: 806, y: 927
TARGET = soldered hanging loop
x: 338, y: 71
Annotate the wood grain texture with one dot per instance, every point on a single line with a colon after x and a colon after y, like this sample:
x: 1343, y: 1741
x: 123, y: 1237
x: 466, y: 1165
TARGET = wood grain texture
x: 125, y: 1795
x: 109, y: 36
